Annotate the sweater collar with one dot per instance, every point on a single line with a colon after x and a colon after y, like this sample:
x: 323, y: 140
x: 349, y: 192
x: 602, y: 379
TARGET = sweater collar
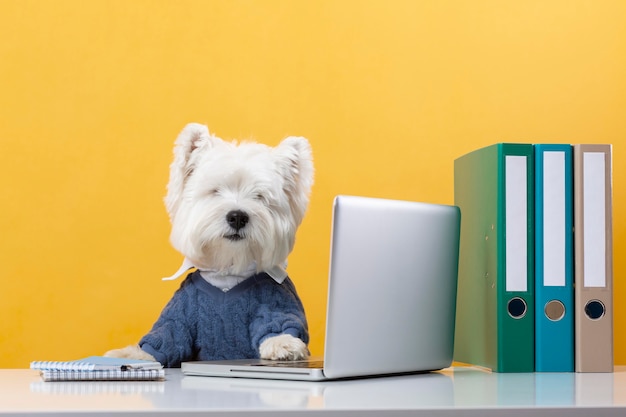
x: 277, y: 272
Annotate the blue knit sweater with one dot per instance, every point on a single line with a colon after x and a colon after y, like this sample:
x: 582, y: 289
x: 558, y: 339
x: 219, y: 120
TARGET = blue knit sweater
x: 201, y: 322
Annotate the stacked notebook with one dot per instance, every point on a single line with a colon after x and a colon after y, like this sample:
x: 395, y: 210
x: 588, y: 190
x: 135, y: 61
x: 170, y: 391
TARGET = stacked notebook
x: 100, y: 368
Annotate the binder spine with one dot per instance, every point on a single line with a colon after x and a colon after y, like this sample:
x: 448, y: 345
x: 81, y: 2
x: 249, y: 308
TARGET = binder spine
x: 593, y: 258
x: 516, y: 294
x: 554, y: 292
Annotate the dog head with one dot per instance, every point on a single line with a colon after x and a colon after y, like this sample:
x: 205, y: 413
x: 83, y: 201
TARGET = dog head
x: 232, y: 204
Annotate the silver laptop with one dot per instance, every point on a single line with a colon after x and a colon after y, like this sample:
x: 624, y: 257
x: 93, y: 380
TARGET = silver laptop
x: 391, y: 295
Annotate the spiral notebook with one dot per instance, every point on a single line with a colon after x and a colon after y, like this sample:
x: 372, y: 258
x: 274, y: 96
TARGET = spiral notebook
x: 99, y: 368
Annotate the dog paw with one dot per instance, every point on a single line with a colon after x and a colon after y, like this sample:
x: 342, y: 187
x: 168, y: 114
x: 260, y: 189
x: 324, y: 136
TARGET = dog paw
x: 130, y: 352
x: 283, y: 347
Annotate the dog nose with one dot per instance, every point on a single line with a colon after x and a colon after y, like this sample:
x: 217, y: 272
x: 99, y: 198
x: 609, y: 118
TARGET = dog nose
x: 237, y: 219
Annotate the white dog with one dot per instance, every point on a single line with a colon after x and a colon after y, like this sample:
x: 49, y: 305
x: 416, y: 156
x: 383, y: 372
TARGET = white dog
x: 234, y: 209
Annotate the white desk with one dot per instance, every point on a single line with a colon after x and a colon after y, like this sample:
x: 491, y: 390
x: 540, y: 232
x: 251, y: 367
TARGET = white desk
x: 455, y: 391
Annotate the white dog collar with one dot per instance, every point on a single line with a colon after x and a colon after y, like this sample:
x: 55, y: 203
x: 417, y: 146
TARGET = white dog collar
x: 277, y: 272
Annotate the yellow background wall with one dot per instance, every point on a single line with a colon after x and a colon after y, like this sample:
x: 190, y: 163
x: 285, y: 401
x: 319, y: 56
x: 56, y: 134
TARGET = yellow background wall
x: 390, y: 92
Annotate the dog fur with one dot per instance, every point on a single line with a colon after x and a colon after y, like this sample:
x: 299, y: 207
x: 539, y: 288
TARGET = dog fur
x: 234, y: 210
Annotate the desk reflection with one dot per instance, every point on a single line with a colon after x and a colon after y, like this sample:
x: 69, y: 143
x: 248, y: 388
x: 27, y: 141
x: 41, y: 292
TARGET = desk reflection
x: 459, y: 388
x: 179, y: 392
x: 431, y: 390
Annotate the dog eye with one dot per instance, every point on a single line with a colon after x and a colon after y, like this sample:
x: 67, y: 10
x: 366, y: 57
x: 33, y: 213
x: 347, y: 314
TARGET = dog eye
x: 213, y: 191
x: 260, y: 197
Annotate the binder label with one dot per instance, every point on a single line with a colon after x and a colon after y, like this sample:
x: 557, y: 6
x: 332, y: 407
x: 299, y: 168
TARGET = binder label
x: 553, y: 222
x: 594, y: 234
x: 516, y: 223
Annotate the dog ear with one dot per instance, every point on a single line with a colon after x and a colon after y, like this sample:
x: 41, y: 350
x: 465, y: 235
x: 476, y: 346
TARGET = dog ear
x: 297, y: 170
x: 193, y: 137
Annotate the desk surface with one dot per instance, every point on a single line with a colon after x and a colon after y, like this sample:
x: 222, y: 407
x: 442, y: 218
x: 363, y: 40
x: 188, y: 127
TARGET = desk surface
x: 454, y: 391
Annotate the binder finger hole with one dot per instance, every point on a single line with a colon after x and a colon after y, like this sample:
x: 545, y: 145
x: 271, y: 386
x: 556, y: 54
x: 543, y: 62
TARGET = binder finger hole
x: 554, y: 310
x: 595, y: 310
x: 517, y: 308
